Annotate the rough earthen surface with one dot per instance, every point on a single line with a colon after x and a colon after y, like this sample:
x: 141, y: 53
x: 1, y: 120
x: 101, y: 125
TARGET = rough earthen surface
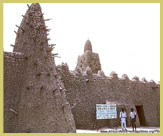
x: 84, y: 91
x: 88, y: 59
x: 14, y: 67
x: 40, y: 97
x: 35, y: 99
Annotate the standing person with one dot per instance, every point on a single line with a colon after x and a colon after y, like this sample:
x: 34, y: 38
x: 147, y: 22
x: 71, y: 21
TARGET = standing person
x: 133, y: 119
x: 123, y: 117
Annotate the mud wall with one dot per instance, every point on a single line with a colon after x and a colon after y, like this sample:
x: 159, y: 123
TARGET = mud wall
x: 34, y: 94
x: 14, y: 72
x: 85, y: 91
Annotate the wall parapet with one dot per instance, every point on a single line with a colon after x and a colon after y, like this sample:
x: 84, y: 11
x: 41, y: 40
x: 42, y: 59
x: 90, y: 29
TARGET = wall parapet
x: 100, y: 75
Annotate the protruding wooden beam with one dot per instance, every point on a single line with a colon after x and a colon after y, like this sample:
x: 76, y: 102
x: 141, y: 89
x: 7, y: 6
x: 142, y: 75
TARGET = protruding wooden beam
x: 49, y: 49
x: 14, y: 111
x: 22, y: 29
x: 42, y: 15
x: 12, y: 45
x: 55, y: 54
x: 52, y: 45
x: 48, y: 39
x: 24, y: 16
x: 47, y: 19
x: 17, y: 26
x: 47, y: 30
x: 28, y: 6
x: 16, y: 33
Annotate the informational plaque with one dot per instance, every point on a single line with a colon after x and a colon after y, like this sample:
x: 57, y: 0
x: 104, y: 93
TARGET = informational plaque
x: 106, y: 111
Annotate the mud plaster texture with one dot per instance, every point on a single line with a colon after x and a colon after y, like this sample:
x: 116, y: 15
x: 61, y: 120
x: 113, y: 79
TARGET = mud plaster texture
x: 42, y: 98
x: 34, y: 96
x: 89, y: 60
x: 86, y: 89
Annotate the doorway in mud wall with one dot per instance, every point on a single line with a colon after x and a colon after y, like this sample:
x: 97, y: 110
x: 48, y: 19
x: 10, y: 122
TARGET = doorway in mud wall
x: 141, y: 116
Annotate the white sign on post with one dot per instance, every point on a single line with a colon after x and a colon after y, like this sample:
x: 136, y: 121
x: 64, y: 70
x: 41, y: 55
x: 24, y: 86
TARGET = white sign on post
x: 106, y: 111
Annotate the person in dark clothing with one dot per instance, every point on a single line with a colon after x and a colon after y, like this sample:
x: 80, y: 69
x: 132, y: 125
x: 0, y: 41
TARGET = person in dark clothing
x: 133, y: 119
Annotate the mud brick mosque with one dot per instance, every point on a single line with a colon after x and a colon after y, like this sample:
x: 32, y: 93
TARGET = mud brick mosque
x: 40, y: 97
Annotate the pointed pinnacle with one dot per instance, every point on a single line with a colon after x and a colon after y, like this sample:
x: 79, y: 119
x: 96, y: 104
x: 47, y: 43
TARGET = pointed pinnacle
x: 36, y: 30
x: 35, y: 6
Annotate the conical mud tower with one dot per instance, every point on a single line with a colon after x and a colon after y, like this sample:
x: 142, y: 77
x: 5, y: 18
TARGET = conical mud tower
x: 42, y: 107
x: 89, y: 60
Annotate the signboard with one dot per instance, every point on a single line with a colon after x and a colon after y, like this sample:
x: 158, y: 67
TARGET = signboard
x: 106, y: 111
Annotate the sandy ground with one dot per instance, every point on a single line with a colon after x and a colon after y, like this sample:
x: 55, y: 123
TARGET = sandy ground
x: 119, y: 130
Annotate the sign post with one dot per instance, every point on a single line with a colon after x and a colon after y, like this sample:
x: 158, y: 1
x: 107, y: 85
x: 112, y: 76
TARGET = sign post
x: 106, y: 111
